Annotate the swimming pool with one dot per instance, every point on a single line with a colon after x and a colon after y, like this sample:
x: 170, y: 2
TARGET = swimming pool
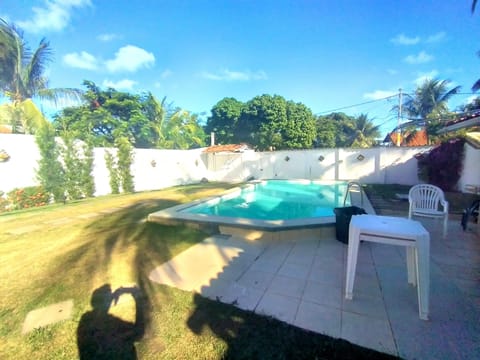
x: 270, y: 205
x: 277, y: 200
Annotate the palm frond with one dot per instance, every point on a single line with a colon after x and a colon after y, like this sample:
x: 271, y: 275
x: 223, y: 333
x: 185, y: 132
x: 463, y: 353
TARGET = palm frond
x: 61, y: 96
x: 476, y: 86
x: 36, y: 67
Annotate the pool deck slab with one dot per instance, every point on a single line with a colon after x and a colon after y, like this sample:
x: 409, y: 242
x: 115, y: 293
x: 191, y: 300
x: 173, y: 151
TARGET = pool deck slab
x: 302, y: 283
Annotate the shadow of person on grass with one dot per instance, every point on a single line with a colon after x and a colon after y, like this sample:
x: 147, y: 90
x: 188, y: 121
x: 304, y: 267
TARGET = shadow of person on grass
x: 101, y: 335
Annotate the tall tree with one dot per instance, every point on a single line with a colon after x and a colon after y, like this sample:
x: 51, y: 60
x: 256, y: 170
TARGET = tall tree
x: 431, y: 98
x: 334, y: 130
x: 22, y: 74
x: 363, y: 132
x: 271, y: 122
x: 224, y: 120
x: 146, y: 122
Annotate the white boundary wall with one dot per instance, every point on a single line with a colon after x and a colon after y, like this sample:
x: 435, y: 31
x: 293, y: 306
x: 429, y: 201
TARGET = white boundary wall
x: 470, y: 179
x: 157, y: 169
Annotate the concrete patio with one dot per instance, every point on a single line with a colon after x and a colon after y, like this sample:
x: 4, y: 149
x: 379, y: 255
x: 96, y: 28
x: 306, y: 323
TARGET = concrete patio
x: 302, y: 283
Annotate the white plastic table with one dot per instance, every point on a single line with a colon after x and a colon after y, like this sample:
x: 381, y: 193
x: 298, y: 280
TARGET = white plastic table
x: 394, y: 231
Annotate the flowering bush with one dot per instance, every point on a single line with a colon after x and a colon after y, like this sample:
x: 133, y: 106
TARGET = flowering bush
x: 3, y: 202
x: 28, y: 197
x: 442, y: 166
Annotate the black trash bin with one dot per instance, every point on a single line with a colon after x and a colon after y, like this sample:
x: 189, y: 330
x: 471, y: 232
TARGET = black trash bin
x: 343, y: 216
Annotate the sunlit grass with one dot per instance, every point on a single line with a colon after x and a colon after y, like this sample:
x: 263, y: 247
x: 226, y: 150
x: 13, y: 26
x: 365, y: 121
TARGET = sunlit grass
x: 68, y: 251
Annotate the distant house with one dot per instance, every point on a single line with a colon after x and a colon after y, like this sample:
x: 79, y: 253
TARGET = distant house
x: 230, y: 148
x: 223, y: 157
x: 464, y: 121
x: 5, y: 129
x: 408, y: 134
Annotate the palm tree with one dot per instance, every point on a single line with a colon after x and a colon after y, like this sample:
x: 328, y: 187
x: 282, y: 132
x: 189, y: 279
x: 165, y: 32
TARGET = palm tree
x: 22, y: 75
x: 363, y: 133
x: 430, y: 99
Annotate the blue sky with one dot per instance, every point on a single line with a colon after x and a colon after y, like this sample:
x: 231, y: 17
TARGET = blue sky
x: 325, y: 54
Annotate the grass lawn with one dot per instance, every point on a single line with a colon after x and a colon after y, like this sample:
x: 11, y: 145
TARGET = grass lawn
x: 76, y: 252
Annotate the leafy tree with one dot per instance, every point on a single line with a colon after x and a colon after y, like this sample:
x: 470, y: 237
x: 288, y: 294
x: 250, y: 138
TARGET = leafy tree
x: 332, y: 130
x: 300, y: 130
x: 23, y: 117
x: 147, y: 123
x: 22, y: 74
x: 180, y: 130
x: 363, y: 133
x: 224, y: 120
x: 270, y: 122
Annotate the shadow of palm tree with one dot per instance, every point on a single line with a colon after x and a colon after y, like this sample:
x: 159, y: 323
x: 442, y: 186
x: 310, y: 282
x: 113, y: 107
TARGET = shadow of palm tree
x: 73, y: 272
x: 251, y: 336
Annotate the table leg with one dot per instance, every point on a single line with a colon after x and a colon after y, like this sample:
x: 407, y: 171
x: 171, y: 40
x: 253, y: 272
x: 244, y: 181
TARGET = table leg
x: 353, y: 244
x: 411, y: 265
x: 422, y: 259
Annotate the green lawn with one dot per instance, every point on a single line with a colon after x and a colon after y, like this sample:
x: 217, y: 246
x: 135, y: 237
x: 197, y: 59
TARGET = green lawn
x: 64, y: 253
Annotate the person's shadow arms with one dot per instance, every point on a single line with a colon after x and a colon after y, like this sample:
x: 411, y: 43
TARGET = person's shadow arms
x: 101, y: 335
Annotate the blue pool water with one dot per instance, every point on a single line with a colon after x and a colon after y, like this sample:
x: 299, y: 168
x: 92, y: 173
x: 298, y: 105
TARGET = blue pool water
x: 277, y: 200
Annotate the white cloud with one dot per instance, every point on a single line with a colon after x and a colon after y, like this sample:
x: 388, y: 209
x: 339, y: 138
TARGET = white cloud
x: 435, y: 38
x: 107, y: 37
x: 125, y: 84
x: 380, y: 94
x: 421, y: 58
x: 402, y: 39
x: 130, y: 58
x: 82, y: 60
x: 166, y: 74
x: 425, y: 76
x: 54, y: 15
x: 228, y: 75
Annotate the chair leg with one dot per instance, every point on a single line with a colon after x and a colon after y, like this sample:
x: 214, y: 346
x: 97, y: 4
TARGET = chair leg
x: 445, y: 226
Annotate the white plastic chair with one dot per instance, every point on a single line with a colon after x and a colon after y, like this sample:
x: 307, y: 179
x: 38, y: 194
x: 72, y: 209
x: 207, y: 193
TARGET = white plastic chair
x: 425, y: 200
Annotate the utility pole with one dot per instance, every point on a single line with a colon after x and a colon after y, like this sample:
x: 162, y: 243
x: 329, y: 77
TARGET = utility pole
x: 399, y: 116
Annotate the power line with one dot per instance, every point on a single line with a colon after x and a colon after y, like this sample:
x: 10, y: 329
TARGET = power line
x: 351, y: 106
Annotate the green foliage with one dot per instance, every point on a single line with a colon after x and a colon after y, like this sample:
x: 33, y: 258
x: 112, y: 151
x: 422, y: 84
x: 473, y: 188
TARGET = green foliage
x: 363, y: 132
x: 4, y: 202
x: 113, y: 171
x: 119, y: 166
x: 88, y: 182
x: 28, y: 197
x: 442, y: 166
x: 430, y: 98
x: 125, y: 160
x: 265, y: 122
x: 224, y: 119
x: 341, y: 130
x: 108, y: 114
x: 22, y: 71
x: 78, y: 167
x: 50, y: 172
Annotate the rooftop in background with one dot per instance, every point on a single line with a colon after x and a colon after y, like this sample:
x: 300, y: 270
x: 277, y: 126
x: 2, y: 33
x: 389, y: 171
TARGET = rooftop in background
x: 227, y: 148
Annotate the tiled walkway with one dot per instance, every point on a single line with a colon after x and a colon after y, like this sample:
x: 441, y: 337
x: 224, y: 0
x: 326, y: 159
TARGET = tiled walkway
x: 302, y: 283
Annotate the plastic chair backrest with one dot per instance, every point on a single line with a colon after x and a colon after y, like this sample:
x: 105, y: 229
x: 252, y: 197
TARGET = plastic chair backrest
x: 425, y: 196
